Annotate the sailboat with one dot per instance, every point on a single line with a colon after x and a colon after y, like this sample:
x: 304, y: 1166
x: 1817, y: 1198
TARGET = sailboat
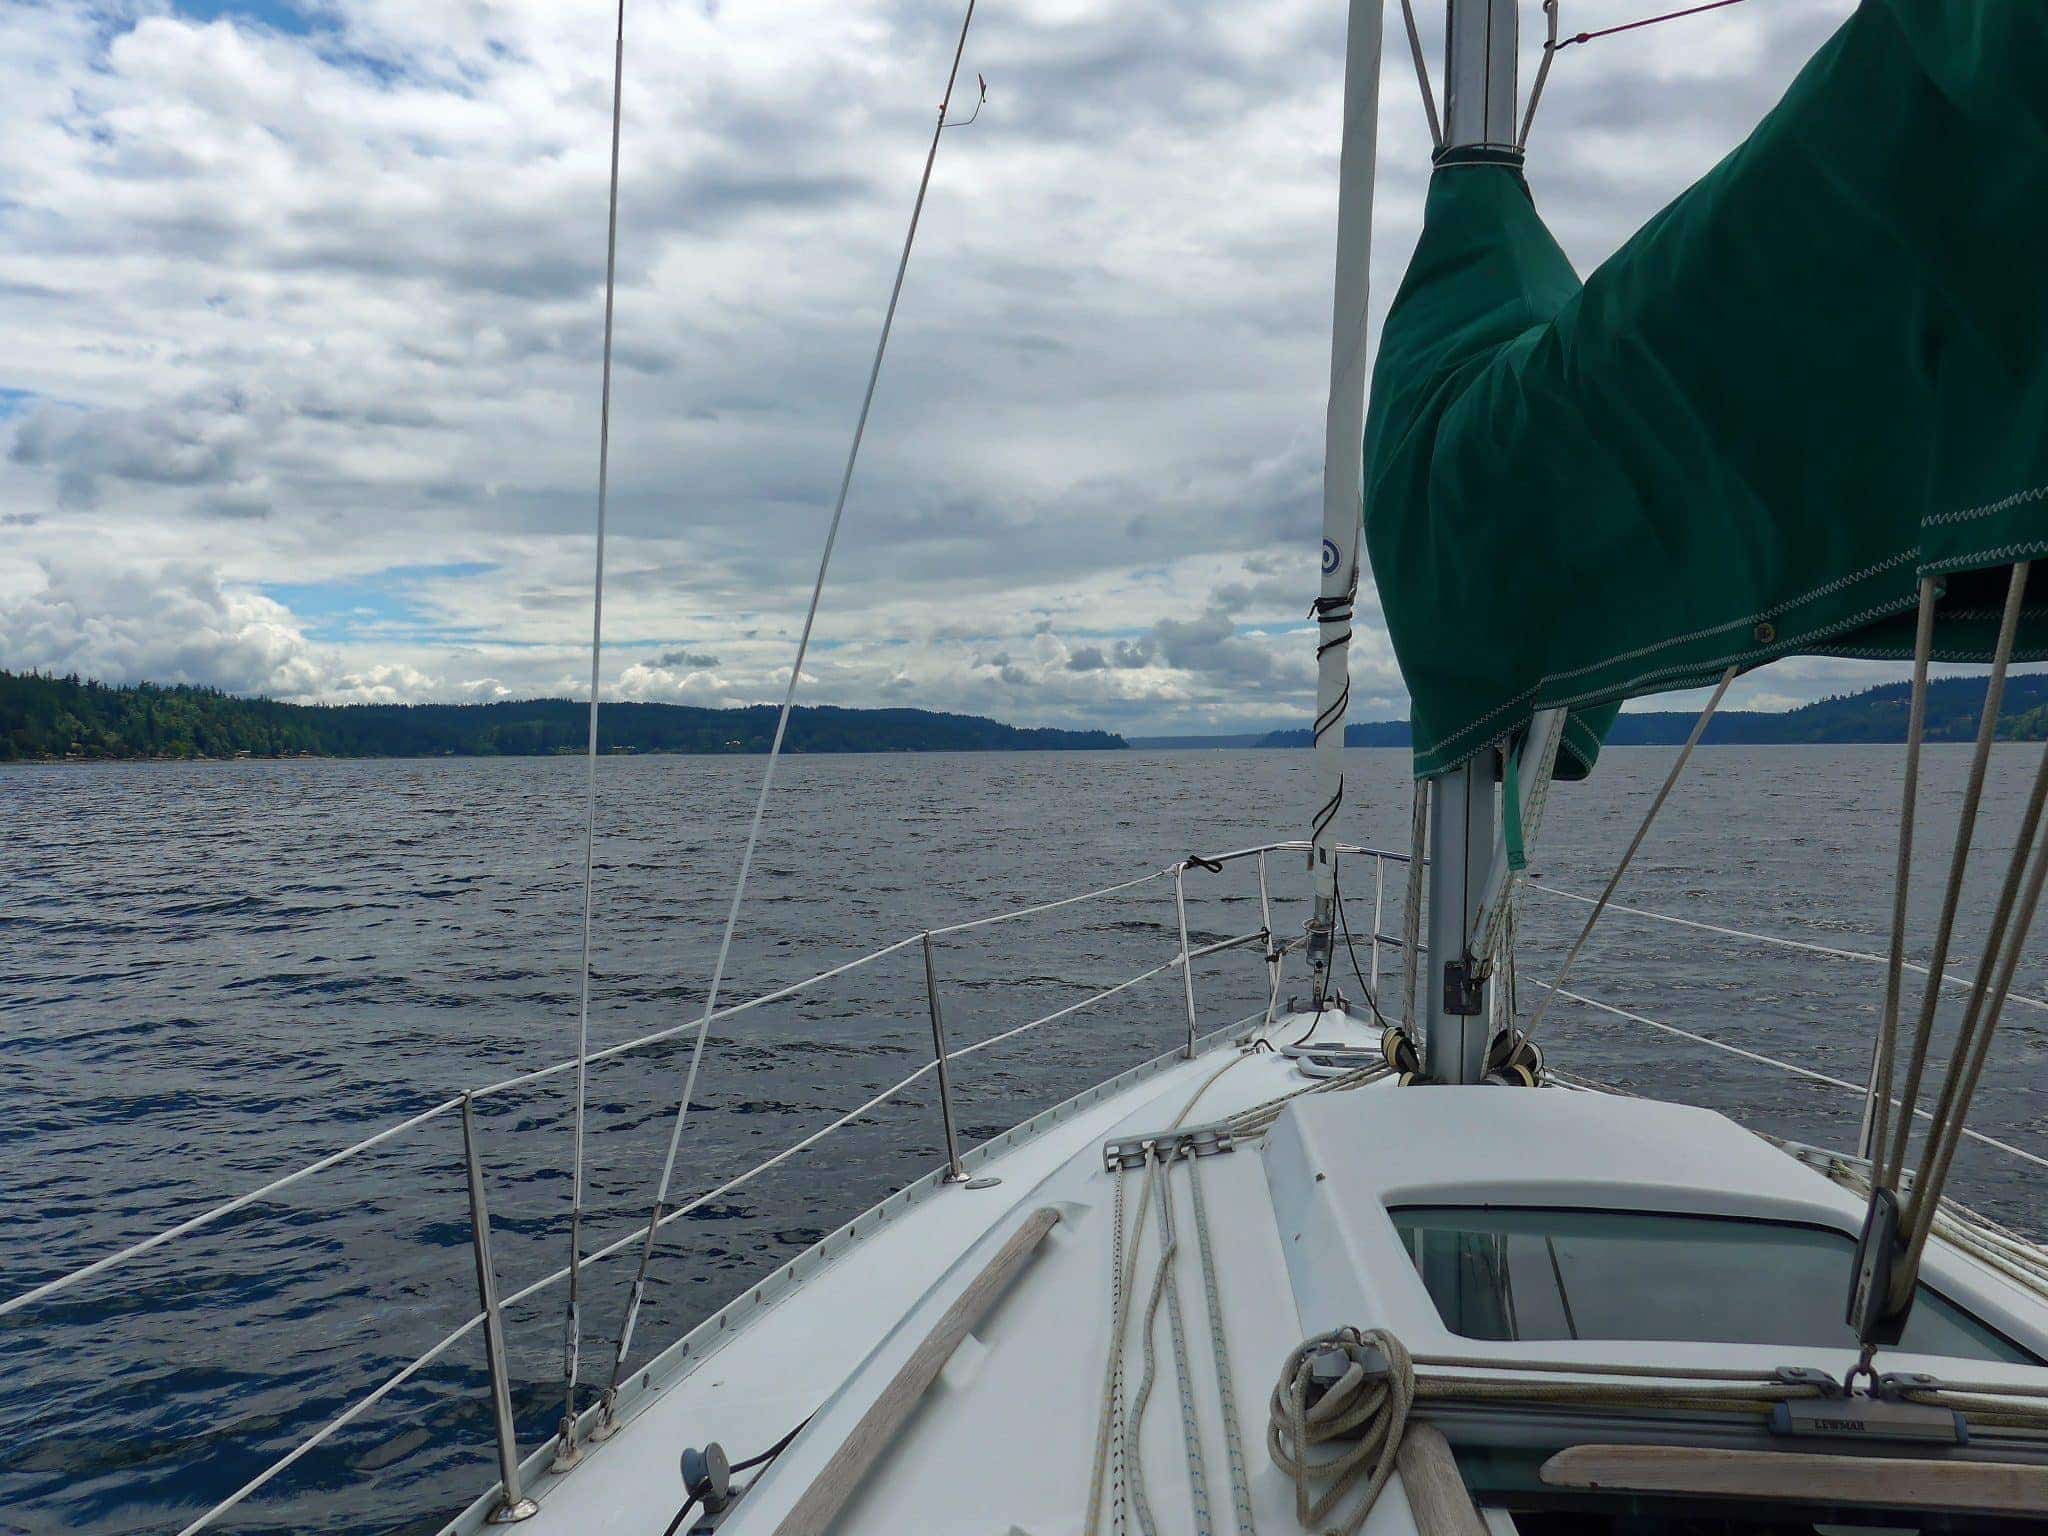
x: 1375, y: 1262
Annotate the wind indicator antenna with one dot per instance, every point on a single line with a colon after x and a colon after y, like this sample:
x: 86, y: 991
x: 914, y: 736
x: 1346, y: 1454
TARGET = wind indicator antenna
x: 980, y: 101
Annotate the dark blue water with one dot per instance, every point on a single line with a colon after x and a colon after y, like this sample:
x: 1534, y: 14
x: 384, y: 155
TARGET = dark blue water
x: 211, y: 972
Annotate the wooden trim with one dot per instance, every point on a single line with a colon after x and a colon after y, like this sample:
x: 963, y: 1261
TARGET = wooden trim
x: 1437, y: 1495
x: 1986, y: 1486
x: 842, y: 1475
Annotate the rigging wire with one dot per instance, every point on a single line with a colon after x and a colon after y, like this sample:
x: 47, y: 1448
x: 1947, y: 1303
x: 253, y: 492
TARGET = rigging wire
x: 1877, y: 1106
x: 1550, y: 47
x: 572, y: 1325
x: 1890, y: 1164
x: 1344, y: 922
x: 639, y: 1286
x: 1699, y: 729
x: 1553, y: 43
x: 1436, y: 127
x: 1647, y: 21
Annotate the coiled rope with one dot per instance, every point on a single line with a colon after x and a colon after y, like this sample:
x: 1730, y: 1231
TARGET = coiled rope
x: 1368, y: 1388
x: 1360, y: 1388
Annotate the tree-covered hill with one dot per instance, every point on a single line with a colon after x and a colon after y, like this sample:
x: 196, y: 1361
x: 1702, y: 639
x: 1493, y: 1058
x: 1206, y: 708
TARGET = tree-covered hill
x: 1876, y: 715
x: 68, y: 717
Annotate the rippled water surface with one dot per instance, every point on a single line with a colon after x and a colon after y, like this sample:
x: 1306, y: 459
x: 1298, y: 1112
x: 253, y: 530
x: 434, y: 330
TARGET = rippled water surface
x: 212, y: 972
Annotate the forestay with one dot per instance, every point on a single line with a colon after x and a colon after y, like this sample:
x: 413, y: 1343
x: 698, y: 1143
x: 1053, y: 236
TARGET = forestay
x: 1817, y: 375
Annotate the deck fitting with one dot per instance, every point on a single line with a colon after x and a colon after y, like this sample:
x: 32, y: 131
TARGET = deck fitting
x: 1197, y: 1141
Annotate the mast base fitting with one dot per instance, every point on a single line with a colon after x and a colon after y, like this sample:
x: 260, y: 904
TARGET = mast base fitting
x: 1464, y: 991
x: 1399, y: 1051
x: 1875, y: 1312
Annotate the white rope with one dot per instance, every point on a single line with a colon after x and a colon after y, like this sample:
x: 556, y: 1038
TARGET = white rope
x: 1699, y: 729
x: 1135, y: 1460
x: 1108, y: 1465
x: 1868, y: 958
x: 1124, y: 1428
x: 639, y: 1286
x: 1364, y: 1410
x: 1219, y: 1347
x: 1114, y: 1420
x: 1183, y: 1371
x: 572, y: 1325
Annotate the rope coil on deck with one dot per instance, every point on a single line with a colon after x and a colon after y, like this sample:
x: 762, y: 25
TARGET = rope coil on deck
x: 1364, y: 1386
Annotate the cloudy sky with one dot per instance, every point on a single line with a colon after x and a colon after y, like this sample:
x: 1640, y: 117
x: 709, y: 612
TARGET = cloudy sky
x: 302, y: 301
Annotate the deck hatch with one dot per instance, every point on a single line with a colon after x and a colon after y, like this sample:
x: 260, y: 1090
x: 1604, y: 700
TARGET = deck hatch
x: 1556, y: 1273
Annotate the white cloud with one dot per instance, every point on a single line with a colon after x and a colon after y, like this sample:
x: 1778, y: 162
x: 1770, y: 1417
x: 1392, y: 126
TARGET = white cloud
x: 299, y: 312
x: 178, y: 624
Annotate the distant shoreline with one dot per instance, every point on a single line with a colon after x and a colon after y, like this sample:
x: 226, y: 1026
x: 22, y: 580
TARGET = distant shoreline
x: 71, y: 719
x: 1874, y: 717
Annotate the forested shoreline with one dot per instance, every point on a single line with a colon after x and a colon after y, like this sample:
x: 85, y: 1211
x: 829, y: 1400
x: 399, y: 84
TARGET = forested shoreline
x: 45, y: 718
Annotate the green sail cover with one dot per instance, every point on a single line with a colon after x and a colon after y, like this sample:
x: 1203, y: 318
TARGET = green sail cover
x: 1817, y: 375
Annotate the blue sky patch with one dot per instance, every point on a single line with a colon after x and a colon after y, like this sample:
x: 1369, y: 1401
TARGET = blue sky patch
x: 280, y: 15
x: 386, y: 605
x: 14, y: 401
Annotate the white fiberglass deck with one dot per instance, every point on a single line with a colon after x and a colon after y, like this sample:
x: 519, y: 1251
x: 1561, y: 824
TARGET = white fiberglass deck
x: 1004, y: 1440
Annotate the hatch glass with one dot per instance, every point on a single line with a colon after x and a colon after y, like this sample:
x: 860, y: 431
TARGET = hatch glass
x: 1533, y: 1273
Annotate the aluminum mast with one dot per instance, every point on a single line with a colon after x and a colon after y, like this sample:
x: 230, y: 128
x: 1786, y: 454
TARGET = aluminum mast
x: 1343, y: 463
x: 1479, y: 113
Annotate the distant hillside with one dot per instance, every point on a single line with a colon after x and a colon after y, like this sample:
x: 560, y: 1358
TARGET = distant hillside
x: 66, y: 717
x: 1876, y: 715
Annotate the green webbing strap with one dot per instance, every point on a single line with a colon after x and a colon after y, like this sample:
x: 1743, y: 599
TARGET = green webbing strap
x: 1511, y: 814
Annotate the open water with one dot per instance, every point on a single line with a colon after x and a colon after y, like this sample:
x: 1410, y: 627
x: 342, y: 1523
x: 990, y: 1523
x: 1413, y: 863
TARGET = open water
x: 213, y: 972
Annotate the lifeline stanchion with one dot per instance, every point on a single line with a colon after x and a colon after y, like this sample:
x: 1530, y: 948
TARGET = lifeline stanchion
x: 954, y: 1173
x: 514, y: 1506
